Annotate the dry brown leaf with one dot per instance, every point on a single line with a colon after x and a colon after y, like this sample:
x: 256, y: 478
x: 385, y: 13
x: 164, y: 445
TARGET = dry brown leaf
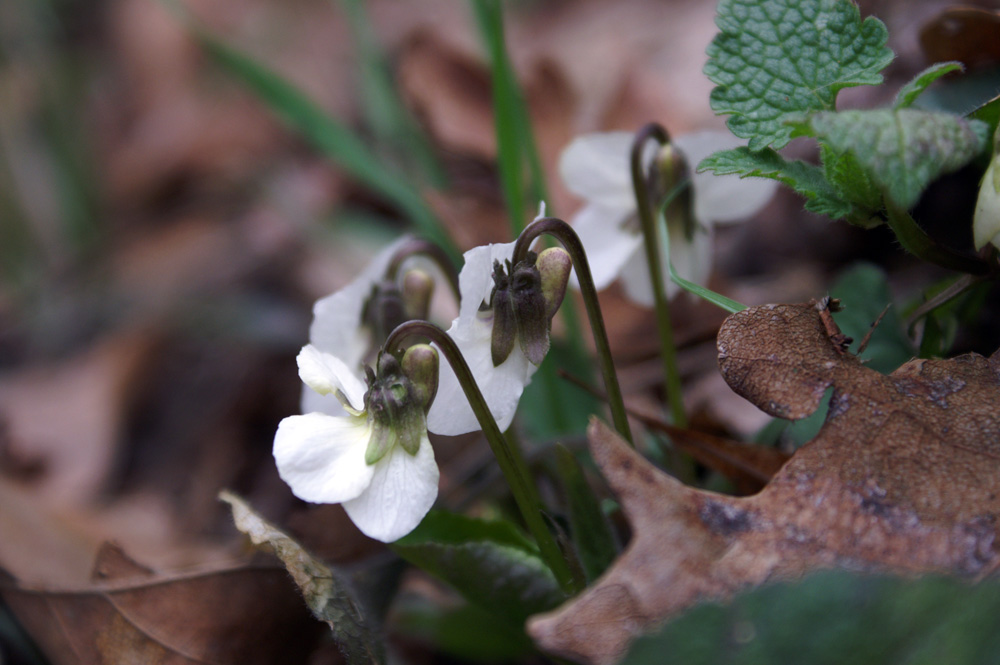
x: 904, y: 477
x: 240, y: 615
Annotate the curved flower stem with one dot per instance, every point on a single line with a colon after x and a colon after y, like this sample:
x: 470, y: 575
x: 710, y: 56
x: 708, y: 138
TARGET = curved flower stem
x: 668, y: 350
x: 510, y: 460
x: 432, y: 251
x: 916, y: 242
x: 565, y: 234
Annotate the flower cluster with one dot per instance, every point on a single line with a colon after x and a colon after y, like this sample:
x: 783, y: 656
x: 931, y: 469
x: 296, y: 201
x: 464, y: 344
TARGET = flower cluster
x: 362, y: 440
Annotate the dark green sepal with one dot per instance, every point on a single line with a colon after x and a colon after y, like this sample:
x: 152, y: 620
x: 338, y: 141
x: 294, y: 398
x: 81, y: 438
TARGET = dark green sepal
x: 504, y: 321
x: 529, y: 309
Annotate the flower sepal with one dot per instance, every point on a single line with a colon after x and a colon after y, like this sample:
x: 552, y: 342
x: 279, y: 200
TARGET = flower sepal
x: 399, y: 395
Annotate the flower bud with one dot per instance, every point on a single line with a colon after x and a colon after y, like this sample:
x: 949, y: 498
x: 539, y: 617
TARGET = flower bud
x: 554, y: 265
x: 669, y: 171
x: 420, y: 366
x: 417, y: 288
x: 383, y: 310
x: 986, y: 222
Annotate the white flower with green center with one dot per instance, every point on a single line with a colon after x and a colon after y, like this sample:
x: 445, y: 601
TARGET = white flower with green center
x: 502, y: 330
x: 596, y: 168
x: 376, y: 460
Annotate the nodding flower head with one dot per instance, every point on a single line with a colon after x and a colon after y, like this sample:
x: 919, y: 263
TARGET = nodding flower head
x: 502, y: 331
x: 523, y: 301
x: 352, y: 322
x: 596, y: 168
x: 376, y: 459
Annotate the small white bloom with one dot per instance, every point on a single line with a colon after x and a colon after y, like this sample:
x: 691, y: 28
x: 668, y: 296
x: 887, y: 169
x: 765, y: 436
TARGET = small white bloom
x: 472, y: 332
x: 337, y: 326
x: 596, y: 168
x: 323, y: 457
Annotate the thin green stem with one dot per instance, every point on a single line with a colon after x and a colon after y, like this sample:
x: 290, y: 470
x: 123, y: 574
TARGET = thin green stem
x: 668, y: 350
x: 565, y: 234
x: 511, y: 462
x: 916, y: 242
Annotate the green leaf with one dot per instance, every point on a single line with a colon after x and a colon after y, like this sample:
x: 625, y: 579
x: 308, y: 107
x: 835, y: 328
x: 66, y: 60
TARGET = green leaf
x: 806, y: 179
x: 591, y: 532
x: 773, y: 58
x: 336, y: 141
x: 909, y: 92
x: 852, y: 184
x: 988, y: 113
x: 833, y: 618
x: 468, y: 633
x: 489, y: 562
x: 903, y: 150
x: 864, y: 293
x: 326, y: 592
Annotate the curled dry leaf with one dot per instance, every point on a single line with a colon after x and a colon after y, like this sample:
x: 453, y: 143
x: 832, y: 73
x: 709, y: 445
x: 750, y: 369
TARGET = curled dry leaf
x: 326, y: 592
x: 129, y: 614
x: 903, y: 478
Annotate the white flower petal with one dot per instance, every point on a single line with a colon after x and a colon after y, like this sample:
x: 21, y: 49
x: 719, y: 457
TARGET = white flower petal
x: 608, y: 246
x: 326, y: 373
x: 727, y: 198
x: 322, y: 458
x: 450, y: 413
x: 337, y: 317
x: 402, y: 489
x: 596, y: 168
x: 475, y: 280
x: 986, y: 221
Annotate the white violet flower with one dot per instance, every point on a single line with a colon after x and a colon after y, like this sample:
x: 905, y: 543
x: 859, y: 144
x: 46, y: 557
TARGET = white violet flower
x: 502, y: 330
x: 352, y: 323
x: 376, y: 460
x: 596, y: 167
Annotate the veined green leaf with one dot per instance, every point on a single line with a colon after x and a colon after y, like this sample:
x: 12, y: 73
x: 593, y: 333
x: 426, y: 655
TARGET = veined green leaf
x: 806, y: 179
x: 909, y: 92
x: 773, y: 58
x: 902, y: 150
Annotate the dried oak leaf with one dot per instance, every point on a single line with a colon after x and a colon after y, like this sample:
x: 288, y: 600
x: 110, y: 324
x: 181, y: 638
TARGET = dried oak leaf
x: 128, y: 614
x: 904, y: 478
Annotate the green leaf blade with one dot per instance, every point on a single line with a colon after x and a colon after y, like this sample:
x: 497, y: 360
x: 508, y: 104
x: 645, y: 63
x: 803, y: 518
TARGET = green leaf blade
x: 806, y: 179
x: 490, y: 563
x: 909, y: 92
x: 902, y: 150
x: 782, y: 57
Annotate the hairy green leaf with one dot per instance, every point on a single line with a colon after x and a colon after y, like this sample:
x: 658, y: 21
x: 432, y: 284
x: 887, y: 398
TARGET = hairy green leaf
x: 909, y: 92
x: 902, y: 150
x: 773, y: 58
x: 489, y: 562
x: 806, y: 179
